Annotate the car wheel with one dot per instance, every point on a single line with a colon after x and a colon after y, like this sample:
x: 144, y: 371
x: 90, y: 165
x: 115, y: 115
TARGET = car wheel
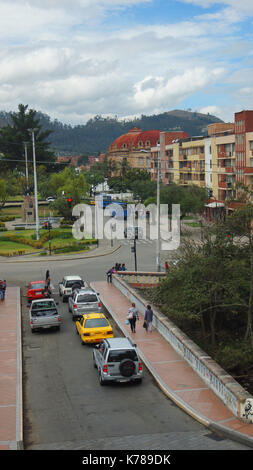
x: 60, y: 294
x: 94, y: 363
x: 101, y: 380
x: 82, y: 342
x: 64, y: 298
x: 137, y: 381
x: 127, y: 367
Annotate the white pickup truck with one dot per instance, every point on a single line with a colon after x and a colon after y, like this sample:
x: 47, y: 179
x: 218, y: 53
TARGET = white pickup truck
x: 68, y: 284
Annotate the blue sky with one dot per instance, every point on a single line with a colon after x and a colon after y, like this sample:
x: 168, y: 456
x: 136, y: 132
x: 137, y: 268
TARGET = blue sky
x: 73, y: 59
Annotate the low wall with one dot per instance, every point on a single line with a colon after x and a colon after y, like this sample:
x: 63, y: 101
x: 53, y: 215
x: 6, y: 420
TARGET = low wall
x: 142, y: 279
x: 236, y: 399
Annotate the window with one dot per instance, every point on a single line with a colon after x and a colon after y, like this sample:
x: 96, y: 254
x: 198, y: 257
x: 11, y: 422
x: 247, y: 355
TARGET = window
x: 119, y: 355
x: 87, y: 298
x: 95, y: 323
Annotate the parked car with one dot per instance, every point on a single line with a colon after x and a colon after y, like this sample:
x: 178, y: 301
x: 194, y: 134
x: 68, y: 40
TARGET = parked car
x: 84, y: 301
x: 50, y: 199
x: 36, y: 290
x: 93, y: 327
x: 69, y: 284
x: 43, y: 313
x: 117, y: 360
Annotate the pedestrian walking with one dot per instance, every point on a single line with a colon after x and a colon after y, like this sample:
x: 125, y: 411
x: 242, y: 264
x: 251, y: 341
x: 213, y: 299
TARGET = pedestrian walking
x: 2, y: 295
x: 132, y: 316
x: 110, y: 273
x: 4, y: 288
x: 47, y: 274
x: 123, y: 268
x: 148, y: 318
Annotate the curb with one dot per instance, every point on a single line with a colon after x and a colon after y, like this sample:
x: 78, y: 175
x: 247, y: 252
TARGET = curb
x: 19, y: 389
x: 53, y: 258
x: 218, y: 428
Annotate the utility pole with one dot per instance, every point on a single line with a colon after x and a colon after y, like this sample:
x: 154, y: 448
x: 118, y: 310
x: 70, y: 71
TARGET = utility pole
x: 35, y: 184
x: 161, y: 152
x: 26, y: 164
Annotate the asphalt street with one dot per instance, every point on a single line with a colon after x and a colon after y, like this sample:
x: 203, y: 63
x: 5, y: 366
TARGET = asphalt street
x: 64, y: 405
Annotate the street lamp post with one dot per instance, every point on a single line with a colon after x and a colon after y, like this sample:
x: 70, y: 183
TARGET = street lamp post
x: 35, y: 184
x: 161, y: 151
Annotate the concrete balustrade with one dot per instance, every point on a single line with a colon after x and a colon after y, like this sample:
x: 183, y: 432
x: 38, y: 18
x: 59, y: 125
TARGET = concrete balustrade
x: 233, y: 395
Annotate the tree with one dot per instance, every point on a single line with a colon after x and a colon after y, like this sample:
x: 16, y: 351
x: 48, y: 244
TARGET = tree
x: 67, y: 184
x: 13, y: 136
x: 240, y: 225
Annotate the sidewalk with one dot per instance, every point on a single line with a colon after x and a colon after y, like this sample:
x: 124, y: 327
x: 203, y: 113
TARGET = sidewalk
x: 174, y: 376
x: 11, y: 422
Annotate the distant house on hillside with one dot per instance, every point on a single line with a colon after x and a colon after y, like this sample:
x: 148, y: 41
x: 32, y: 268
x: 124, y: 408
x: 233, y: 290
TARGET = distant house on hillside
x: 72, y: 160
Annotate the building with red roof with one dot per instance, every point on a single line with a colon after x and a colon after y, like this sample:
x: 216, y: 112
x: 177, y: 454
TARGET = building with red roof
x: 135, y: 148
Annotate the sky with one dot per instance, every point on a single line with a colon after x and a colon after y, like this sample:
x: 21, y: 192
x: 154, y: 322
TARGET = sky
x: 75, y: 59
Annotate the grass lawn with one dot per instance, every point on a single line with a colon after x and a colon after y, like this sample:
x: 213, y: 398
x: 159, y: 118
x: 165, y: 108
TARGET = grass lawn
x: 64, y: 238
x: 13, y: 246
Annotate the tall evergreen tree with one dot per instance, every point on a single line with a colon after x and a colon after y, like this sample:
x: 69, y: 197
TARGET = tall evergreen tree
x: 13, y: 136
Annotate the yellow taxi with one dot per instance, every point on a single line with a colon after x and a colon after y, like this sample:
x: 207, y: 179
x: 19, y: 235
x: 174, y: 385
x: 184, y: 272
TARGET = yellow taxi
x: 93, y: 327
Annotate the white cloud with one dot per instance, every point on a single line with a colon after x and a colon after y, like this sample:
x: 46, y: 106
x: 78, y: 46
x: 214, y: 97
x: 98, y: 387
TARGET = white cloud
x: 60, y: 57
x: 162, y: 92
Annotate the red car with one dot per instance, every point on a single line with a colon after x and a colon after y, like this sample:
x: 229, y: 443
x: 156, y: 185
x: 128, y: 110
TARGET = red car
x: 36, y: 290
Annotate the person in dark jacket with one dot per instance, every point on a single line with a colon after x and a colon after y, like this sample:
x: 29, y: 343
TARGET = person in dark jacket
x: 148, y: 318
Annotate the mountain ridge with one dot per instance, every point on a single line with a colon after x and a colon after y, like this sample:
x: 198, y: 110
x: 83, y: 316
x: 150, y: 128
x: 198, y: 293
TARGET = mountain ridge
x: 98, y: 133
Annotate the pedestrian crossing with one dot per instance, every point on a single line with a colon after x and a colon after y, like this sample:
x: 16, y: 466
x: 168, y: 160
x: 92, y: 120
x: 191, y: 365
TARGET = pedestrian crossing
x: 127, y: 242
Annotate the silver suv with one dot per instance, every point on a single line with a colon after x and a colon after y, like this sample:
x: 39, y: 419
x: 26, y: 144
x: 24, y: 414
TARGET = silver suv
x: 117, y: 360
x: 84, y: 301
x: 44, y: 314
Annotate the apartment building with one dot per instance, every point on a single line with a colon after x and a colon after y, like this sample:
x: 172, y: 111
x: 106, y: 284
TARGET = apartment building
x: 167, y: 152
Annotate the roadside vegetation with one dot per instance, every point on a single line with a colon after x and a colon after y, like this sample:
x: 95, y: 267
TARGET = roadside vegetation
x: 209, y: 293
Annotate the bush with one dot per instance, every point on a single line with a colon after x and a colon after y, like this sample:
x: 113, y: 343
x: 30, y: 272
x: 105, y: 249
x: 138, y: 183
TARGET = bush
x: 7, y: 218
x: 235, y: 355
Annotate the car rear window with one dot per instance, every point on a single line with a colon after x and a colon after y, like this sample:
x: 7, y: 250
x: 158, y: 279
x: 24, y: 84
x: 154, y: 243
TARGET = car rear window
x: 71, y: 283
x: 40, y: 285
x: 87, y: 298
x: 95, y: 323
x: 43, y: 305
x: 118, y: 355
x: 44, y: 313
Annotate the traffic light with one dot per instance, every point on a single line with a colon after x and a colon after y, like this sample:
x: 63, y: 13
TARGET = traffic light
x: 69, y: 202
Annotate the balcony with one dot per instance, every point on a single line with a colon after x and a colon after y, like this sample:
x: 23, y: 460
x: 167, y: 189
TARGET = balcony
x: 248, y: 171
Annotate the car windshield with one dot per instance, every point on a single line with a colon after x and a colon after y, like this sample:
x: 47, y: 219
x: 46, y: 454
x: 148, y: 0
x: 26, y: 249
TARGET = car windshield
x: 39, y: 285
x: 43, y: 305
x: 95, y: 323
x: 44, y: 313
x: 87, y: 298
x: 71, y: 283
x: 118, y: 355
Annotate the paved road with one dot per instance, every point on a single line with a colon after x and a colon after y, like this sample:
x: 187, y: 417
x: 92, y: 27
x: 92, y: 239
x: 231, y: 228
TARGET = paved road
x: 64, y: 405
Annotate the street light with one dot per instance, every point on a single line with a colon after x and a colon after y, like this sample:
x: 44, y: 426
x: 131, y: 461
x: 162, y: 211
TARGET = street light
x: 35, y: 183
x: 162, y: 150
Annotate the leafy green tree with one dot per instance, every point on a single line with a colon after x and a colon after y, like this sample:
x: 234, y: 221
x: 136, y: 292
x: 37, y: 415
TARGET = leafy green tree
x: 240, y: 225
x: 67, y: 184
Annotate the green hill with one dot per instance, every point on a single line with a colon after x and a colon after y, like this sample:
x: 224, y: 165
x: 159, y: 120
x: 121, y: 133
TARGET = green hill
x: 98, y: 133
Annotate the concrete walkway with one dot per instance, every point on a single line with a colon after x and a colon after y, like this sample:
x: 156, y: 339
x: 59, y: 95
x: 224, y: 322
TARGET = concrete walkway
x: 175, y: 377
x: 11, y: 406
